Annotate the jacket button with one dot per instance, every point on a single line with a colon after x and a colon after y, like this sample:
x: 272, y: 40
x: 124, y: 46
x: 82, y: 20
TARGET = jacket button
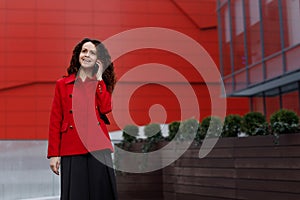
x: 96, y: 107
x: 71, y: 127
x: 70, y: 95
x: 98, y: 123
x: 71, y: 111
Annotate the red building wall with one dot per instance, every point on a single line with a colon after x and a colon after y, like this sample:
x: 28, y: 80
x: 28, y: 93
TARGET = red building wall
x: 37, y: 37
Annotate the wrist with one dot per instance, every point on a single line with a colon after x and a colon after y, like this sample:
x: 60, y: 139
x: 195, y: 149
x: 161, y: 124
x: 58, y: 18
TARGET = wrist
x: 99, y: 77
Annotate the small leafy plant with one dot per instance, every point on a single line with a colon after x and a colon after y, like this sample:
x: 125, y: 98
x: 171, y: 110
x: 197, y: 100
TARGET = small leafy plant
x: 154, y: 135
x: 173, y: 130
x: 130, y: 132
x: 188, y: 129
x: 232, y: 125
x: 284, y: 121
x: 254, y: 123
x: 211, y: 127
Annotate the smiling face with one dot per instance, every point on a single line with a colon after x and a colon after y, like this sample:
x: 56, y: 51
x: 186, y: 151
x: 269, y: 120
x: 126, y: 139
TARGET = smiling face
x: 88, y: 55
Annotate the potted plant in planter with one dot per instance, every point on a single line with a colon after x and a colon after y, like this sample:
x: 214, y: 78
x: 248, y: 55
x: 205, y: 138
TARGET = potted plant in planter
x: 129, y: 134
x: 154, y: 135
x: 284, y: 121
x: 173, y: 130
x: 210, y: 126
x: 150, y: 183
x: 232, y: 125
x: 254, y: 123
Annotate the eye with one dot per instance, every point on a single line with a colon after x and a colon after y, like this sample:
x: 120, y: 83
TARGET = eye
x: 84, y: 50
x: 93, y: 53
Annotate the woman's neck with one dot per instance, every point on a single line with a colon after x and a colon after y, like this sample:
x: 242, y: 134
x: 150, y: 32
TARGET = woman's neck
x: 85, y: 72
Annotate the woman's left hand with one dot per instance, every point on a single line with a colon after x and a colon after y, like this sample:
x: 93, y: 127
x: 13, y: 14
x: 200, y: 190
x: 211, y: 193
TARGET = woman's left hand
x: 100, y: 70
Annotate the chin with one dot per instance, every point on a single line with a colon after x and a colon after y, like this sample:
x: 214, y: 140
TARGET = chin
x: 87, y: 66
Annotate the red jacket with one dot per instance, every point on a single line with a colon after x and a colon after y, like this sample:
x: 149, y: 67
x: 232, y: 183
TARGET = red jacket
x: 76, y: 126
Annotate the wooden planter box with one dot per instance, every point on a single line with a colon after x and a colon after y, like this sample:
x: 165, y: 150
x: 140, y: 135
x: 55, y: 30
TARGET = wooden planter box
x: 238, y: 168
x: 256, y: 167
x: 137, y: 186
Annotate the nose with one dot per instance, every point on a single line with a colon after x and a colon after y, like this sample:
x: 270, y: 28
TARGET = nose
x: 87, y: 54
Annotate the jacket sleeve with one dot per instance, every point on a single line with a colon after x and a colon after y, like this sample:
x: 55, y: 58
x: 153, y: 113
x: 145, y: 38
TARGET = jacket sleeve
x: 56, y: 117
x: 103, y: 98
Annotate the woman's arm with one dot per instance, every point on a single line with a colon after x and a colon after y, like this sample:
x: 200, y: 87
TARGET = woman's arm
x: 56, y: 117
x: 103, y: 98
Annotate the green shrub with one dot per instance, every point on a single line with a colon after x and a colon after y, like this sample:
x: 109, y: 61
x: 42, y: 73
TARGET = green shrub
x: 232, y: 125
x: 130, y: 132
x: 154, y: 135
x: 153, y: 131
x: 210, y: 126
x: 284, y: 121
x: 254, y: 123
x: 173, y: 130
x: 188, y: 129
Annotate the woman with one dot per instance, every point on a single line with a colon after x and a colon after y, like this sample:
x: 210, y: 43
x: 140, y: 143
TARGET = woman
x: 78, y: 139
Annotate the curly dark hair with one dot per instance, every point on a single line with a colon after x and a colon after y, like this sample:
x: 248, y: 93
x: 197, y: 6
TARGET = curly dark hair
x: 108, y: 75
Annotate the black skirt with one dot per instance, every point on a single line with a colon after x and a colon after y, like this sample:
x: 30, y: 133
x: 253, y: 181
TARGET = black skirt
x: 84, y: 177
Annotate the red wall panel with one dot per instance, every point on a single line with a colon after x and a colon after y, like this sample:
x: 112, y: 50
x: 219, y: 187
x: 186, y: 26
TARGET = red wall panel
x: 37, y: 37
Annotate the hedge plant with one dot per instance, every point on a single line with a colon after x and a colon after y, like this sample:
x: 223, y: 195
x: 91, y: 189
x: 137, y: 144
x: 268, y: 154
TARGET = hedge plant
x: 153, y: 134
x: 188, y: 129
x: 284, y: 121
x: 254, y: 123
x: 173, y: 130
x: 232, y: 125
x: 210, y: 126
x: 130, y: 132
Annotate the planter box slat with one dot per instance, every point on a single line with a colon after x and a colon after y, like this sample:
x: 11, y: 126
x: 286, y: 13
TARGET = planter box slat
x: 206, y: 162
x: 250, y: 194
x: 271, y: 186
x: 220, y: 153
x: 255, y: 141
x: 204, y: 172
x: 215, y: 153
x: 142, y: 179
x: 207, y: 182
x: 138, y: 195
x: 268, y: 140
x: 197, y: 197
x: 207, y: 191
x: 268, y: 163
x: 143, y: 187
x: 269, y: 174
x: 276, y: 151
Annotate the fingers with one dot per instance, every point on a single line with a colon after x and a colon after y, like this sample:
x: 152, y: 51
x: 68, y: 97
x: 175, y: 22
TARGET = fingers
x: 98, y: 62
x: 54, y: 165
x: 100, y: 70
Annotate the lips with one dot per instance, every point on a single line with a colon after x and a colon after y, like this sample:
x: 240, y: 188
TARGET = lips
x: 85, y: 61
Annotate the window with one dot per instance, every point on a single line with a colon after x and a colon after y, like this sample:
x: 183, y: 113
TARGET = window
x: 293, y: 18
x: 253, y: 32
x: 272, y: 99
x: 238, y: 16
x: 271, y: 28
x: 290, y: 97
x: 254, y: 11
x: 257, y: 103
x: 227, y: 24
